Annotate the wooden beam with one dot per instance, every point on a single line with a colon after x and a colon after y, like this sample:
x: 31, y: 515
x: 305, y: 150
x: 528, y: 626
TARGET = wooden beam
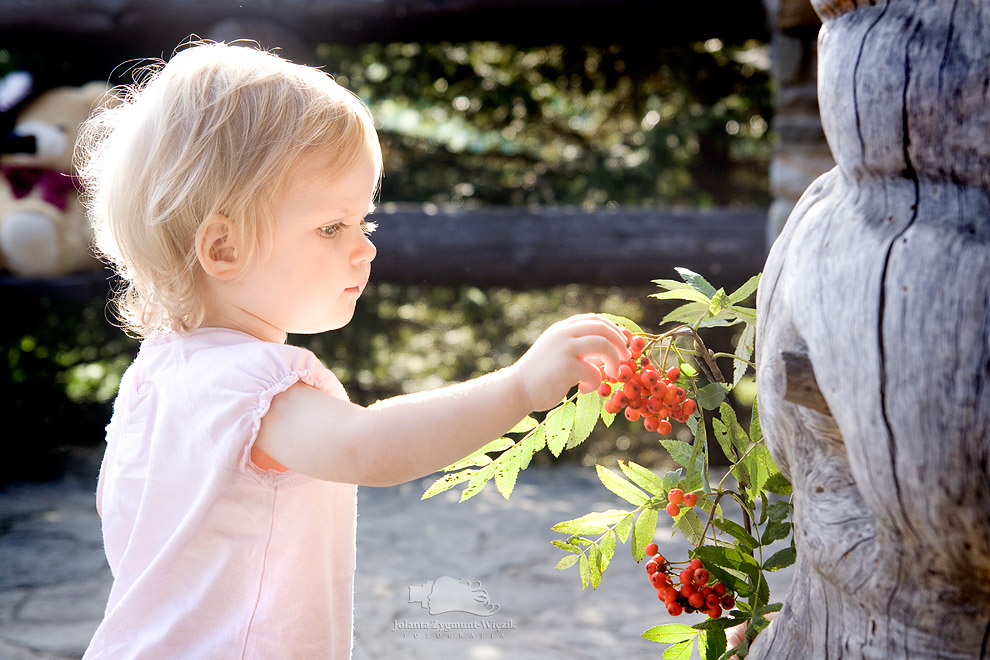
x: 154, y: 26
x: 538, y: 247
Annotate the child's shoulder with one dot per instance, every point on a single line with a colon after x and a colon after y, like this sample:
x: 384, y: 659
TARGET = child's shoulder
x: 223, y: 355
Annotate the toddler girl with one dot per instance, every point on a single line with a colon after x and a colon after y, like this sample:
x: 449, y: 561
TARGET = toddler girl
x: 230, y: 190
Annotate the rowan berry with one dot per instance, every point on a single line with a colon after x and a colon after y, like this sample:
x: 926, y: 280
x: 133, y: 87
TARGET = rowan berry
x: 652, y: 567
x: 719, y: 588
x: 675, y: 495
x: 658, y: 558
x: 605, y: 390
x: 632, y: 414
x: 700, y: 577
x: 715, y: 612
x: 674, y: 609
x: 673, y: 509
x: 687, y: 590
x: 688, y: 407
x: 673, y: 374
x: 625, y: 372
x: 664, y: 427
x: 728, y: 602
x: 658, y: 579
x: 669, y: 594
x: 690, y: 499
x: 611, y: 407
x: 651, y: 423
x: 712, y: 600
x: 651, y: 549
x: 636, y: 345
x: 695, y: 564
x: 696, y: 600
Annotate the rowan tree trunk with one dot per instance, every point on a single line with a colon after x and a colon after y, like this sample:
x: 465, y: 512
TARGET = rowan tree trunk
x: 881, y: 278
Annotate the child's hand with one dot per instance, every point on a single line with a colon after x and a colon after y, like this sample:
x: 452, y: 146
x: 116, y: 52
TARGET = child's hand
x: 569, y: 352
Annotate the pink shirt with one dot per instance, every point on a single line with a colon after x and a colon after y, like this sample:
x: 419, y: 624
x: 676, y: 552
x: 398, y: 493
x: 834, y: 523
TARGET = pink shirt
x: 213, y: 557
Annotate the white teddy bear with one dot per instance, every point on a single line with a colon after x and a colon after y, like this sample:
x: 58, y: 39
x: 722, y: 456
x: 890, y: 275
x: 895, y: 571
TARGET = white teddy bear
x: 43, y: 228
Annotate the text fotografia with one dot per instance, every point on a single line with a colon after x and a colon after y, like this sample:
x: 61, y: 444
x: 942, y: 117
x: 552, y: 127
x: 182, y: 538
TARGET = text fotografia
x: 437, y: 629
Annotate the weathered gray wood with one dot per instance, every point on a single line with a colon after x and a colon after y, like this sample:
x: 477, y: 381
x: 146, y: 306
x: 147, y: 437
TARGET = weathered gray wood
x: 537, y: 247
x: 153, y: 24
x: 801, y: 386
x: 882, y: 277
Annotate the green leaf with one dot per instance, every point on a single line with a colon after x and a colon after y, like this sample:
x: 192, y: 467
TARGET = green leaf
x: 780, y: 559
x: 760, y: 466
x: 624, y: 527
x: 509, y: 464
x: 680, y: 651
x: 446, y: 482
x: 525, y: 425
x: 622, y: 322
x: 690, y: 525
x: 688, y: 313
x: 643, y: 477
x: 558, y: 423
x: 594, y: 566
x: 711, y: 644
x: 736, y: 433
x: 643, y: 532
x: 480, y: 456
x: 746, y: 290
x: 778, y: 484
x: 588, y: 408
x: 755, y: 429
x: 691, y: 295
x: 478, y: 481
x: 719, y: 301
x: 697, y: 281
x: 670, y: 633
x: 711, y: 395
x: 591, y: 523
x: 606, y: 550
x: 620, y: 486
x: 679, y: 450
x: 744, y: 349
x: 775, y: 531
x: 564, y: 545
x: 737, y: 531
x: 584, y: 570
x: 567, y: 561
x: 726, y: 557
x: 531, y: 443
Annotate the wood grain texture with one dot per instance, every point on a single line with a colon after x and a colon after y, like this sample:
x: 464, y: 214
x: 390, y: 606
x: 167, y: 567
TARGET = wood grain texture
x: 882, y: 277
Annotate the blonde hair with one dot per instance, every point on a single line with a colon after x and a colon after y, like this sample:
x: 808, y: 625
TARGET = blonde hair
x: 217, y: 130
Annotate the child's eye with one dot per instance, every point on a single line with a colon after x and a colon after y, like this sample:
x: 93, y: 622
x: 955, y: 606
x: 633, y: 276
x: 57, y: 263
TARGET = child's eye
x: 331, y: 230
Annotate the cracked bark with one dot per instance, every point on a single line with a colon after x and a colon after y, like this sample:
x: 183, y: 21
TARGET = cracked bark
x: 879, y: 286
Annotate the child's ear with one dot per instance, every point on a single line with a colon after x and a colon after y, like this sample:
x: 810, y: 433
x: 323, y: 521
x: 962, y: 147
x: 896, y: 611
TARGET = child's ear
x: 216, y: 248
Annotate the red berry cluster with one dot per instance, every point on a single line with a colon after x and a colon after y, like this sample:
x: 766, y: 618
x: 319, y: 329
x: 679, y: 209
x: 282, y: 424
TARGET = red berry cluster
x: 646, y: 393
x: 693, y: 593
x: 676, y: 497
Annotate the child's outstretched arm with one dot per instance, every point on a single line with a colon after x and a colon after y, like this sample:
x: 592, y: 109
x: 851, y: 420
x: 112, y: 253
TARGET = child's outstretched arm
x: 411, y: 436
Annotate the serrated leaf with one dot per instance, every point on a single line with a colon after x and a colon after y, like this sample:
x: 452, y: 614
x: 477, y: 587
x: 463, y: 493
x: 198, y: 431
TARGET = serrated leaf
x: 780, y: 559
x: 672, y: 478
x: 567, y: 561
x: 446, y: 482
x: 711, y: 396
x: 755, y: 429
x: 711, y: 644
x: 643, y: 477
x: 739, y: 438
x: 478, y: 481
x: 587, y: 410
x: 743, y: 314
x: 690, y: 295
x: 696, y: 280
x: 719, y: 301
x: 681, y: 651
x: 737, y: 531
x: 679, y: 450
x: 744, y: 349
x: 606, y: 550
x: 690, y: 525
x: 620, y: 486
x: 622, y: 322
x: 778, y: 484
x: 670, y: 633
x: 591, y: 523
x: 480, y: 456
x: 584, y: 570
x: 531, y: 443
x: 509, y: 464
x: 688, y: 313
x: 643, y: 532
x: 746, y: 290
x: 594, y: 566
x: 760, y: 466
x: 558, y: 424
x: 565, y: 546
x: 623, y: 528
x: 524, y: 425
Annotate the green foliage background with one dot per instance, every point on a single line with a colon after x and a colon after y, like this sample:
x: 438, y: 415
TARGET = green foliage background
x: 462, y: 124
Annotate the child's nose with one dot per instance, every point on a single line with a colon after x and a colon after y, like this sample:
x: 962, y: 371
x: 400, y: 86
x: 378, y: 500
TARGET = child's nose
x: 365, y: 250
